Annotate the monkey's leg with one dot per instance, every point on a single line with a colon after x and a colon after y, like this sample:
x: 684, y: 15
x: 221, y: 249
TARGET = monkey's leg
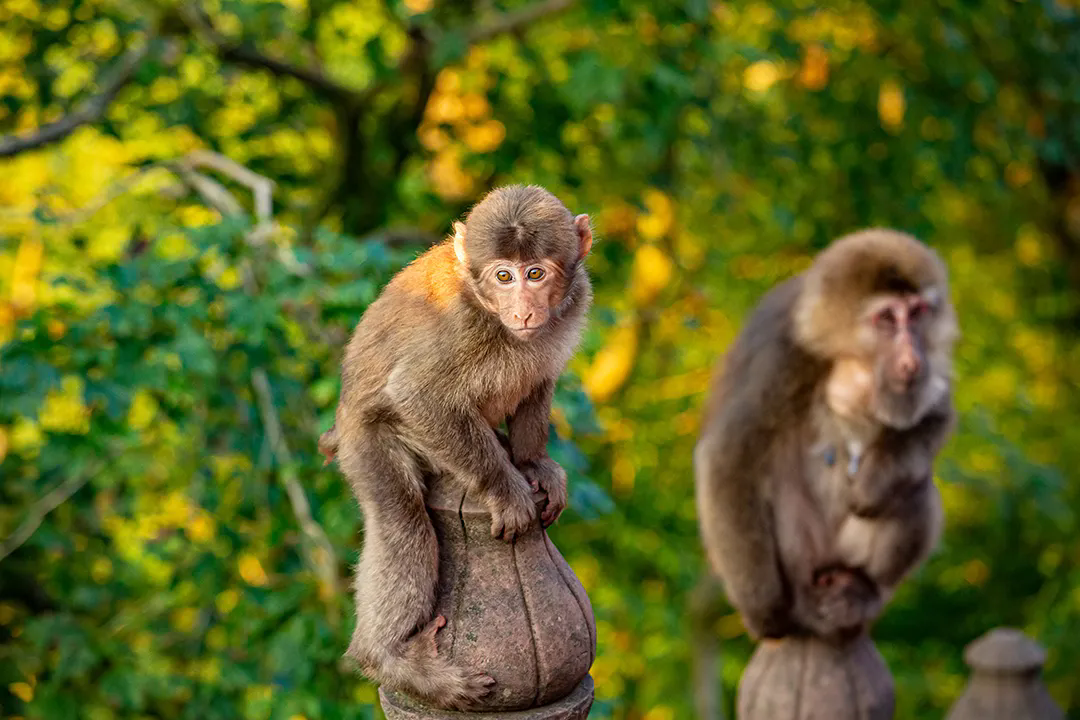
x: 397, y: 577
x: 889, y: 548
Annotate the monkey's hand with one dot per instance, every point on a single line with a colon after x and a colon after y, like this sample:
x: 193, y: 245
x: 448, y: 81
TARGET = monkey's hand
x: 512, y: 508
x: 547, y: 475
x: 849, y: 389
x: 886, y: 483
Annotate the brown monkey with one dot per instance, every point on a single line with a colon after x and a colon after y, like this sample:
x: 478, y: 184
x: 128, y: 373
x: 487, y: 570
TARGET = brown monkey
x: 472, y: 333
x: 814, y: 466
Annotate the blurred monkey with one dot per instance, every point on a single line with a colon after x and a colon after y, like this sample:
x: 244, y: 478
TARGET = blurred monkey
x: 815, y: 461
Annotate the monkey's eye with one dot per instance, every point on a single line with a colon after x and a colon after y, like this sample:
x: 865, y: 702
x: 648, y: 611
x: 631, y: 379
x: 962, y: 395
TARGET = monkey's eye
x: 535, y: 273
x: 917, y: 310
x: 885, y: 320
x: 504, y: 276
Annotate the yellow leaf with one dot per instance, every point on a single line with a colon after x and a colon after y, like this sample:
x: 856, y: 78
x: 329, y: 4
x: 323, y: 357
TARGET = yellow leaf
x: 227, y: 600
x: 976, y: 572
x: 660, y: 712
x: 64, y: 410
x: 184, y: 619
x: 761, y: 76
x: 415, y: 7
x: 201, y: 528
x: 814, y: 74
x: 891, y: 105
x: 612, y: 365
x: 252, y: 570
x: 1029, y: 245
x: 651, y: 272
x: 143, y: 410
x: 623, y: 474
x: 486, y: 137
x: 24, y: 275
x: 22, y: 690
x: 101, y: 569
x: 659, y: 216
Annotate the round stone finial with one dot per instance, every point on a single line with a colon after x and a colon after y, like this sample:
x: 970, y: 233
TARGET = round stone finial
x: 1004, y: 650
x: 799, y: 678
x: 514, y: 611
x: 1005, y: 681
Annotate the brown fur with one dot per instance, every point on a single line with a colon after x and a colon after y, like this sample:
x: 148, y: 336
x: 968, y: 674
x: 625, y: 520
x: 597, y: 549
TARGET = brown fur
x: 800, y: 546
x: 428, y: 374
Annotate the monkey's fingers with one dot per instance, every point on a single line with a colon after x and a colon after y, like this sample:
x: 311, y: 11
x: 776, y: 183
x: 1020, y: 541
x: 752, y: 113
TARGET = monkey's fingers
x: 473, y: 689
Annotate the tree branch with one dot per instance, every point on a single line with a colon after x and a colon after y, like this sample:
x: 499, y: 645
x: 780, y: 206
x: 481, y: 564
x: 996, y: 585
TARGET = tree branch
x: 54, y: 499
x: 519, y: 19
x: 323, y: 557
x: 240, y: 54
x: 91, y: 111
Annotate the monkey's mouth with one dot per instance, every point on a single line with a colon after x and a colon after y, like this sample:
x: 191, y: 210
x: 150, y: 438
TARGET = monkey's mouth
x: 524, y: 333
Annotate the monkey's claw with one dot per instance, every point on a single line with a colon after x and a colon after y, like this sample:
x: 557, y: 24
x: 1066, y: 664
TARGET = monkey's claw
x: 468, y: 690
x: 548, y: 476
x: 512, y: 519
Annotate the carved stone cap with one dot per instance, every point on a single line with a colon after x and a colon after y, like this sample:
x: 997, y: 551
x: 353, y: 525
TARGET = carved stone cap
x: 1005, y: 651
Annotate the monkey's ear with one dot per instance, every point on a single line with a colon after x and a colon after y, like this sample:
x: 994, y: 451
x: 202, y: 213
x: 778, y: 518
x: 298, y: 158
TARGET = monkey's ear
x: 459, y: 243
x: 581, y: 223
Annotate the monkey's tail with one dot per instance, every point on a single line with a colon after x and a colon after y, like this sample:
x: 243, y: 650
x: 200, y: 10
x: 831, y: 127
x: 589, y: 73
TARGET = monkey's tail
x: 415, y: 668
x: 328, y: 444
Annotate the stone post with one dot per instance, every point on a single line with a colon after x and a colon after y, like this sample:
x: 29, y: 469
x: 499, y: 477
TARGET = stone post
x: 515, y: 611
x: 804, y: 678
x: 1005, y: 680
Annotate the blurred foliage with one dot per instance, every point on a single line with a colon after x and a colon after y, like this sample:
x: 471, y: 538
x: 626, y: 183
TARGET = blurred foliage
x: 717, y: 147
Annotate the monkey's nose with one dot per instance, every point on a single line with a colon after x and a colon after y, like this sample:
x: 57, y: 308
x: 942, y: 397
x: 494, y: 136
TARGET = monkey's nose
x: 908, y: 366
x: 525, y: 322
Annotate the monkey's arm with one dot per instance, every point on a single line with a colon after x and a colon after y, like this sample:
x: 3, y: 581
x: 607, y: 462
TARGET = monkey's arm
x: 528, y: 428
x: 737, y: 531
x: 901, y: 462
x: 459, y: 440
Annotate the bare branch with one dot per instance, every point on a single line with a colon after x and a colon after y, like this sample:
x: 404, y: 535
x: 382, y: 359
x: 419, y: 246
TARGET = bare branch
x: 211, y: 191
x: 323, y: 557
x: 262, y: 188
x: 52, y: 500
x: 91, y: 111
x: 519, y: 19
x: 231, y: 51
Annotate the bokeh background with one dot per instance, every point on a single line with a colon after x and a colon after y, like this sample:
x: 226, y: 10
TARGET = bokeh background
x: 198, y: 199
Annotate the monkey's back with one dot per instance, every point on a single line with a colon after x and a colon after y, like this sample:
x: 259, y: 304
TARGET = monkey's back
x: 408, y: 319
x: 766, y: 383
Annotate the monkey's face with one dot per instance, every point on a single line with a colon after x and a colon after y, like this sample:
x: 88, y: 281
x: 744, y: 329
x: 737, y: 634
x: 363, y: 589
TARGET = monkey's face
x: 522, y: 293
x: 522, y: 269
x: 899, y: 327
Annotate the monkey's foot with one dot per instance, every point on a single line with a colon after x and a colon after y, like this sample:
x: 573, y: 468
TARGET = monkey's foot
x: 436, y: 679
x: 462, y: 689
x: 547, y: 475
x: 841, y: 602
x: 424, y: 640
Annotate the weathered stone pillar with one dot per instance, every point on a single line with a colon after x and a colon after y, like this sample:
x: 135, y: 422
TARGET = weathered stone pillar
x: 515, y: 611
x: 1005, y: 680
x: 803, y: 678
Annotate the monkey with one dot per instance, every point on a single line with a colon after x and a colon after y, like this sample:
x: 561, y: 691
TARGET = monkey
x: 814, y: 464
x: 471, y: 334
